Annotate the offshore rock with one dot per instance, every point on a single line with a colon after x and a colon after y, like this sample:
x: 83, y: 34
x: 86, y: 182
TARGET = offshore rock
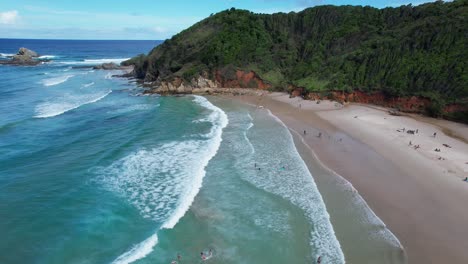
x: 24, y: 57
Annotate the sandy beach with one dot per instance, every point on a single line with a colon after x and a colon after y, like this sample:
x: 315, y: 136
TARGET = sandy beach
x: 413, y: 187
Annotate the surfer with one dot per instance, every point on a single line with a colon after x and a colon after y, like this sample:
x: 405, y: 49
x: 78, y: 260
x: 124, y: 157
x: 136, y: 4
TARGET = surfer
x: 206, y: 256
x: 319, y: 260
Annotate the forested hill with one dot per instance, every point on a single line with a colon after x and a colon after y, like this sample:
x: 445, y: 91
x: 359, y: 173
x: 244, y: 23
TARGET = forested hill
x: 404, y: 51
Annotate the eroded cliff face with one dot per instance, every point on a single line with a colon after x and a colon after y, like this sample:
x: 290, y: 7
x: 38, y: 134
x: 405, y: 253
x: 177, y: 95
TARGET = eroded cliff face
x: 411, y: 104
x: 242, y: 79
x: 203, y: 84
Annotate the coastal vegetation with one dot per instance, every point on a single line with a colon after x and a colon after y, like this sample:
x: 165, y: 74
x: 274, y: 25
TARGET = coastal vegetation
x: 400, y: 52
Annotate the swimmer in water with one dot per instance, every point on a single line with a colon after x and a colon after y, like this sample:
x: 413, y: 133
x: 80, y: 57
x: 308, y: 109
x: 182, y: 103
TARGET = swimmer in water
x: 203, y: 257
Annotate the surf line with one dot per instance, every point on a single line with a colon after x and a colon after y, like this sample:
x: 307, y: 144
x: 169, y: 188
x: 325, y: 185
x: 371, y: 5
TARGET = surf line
x: 323, y: 237
x: 219, y: 120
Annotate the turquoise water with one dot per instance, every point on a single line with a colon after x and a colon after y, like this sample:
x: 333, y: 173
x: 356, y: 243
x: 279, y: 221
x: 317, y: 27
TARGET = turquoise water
x: 91, y: 171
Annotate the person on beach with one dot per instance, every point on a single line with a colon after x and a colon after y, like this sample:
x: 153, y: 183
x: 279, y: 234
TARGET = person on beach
x: 417, y: 130
x: 466, y: 179
x: 410, y: 143
x: 434, y: 135
x: 305, y: 132
x: 320, y: 134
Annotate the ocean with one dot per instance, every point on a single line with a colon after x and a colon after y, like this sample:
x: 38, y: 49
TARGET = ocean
x: 93, y: 171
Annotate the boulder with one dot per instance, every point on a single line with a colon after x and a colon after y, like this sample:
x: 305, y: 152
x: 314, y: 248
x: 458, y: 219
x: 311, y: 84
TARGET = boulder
x: 27, y: 52
x: 23, y: 57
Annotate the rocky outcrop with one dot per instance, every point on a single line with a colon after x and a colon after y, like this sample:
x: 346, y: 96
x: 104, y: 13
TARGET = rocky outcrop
x: 25, y: 57
x: 177, y: 85
x: 27, y: 52
x: 237, y: 79
x: 112, y: 66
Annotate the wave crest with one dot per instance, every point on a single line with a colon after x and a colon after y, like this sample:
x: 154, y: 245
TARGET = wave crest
x: 163, y: 182
x: 62, y: 105
x: 56, y: 80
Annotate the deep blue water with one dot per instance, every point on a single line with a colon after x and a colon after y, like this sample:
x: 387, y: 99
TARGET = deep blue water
x: 80, y: 49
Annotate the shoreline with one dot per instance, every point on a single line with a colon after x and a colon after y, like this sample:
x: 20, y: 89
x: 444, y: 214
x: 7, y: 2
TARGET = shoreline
x: 425, y: 219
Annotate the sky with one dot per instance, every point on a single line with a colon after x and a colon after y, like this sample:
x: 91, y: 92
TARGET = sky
x: 135, y: 19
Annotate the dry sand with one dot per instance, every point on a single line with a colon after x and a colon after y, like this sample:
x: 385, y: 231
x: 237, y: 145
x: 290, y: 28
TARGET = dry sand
x: 420, y: 197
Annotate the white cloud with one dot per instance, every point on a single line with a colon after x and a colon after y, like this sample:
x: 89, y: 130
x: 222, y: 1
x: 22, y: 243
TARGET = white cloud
x: 9, y: 17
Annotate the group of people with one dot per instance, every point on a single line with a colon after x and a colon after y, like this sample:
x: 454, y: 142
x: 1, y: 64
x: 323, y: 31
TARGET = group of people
x: 202, y: 255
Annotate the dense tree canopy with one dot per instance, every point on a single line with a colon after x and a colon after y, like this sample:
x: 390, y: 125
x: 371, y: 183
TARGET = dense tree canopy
x: 401, y: 51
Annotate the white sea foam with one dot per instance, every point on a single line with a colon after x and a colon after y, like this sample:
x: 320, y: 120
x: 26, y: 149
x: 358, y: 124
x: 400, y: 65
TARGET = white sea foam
x: 138, y: 251
x: 162, y: 182
x: 88, y: 84
x: 7, y: 55
x: 369, y: 216
x: 64, y: 104
x: 47, y: 57
x: 290, y: 178
x: 56, y: 80
x: 94, y: 61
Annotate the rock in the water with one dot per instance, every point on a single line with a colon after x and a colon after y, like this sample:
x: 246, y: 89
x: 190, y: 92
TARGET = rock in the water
x: 23, y: 57
x: 107, y: 66
x: 114, y: 66
x: 27, y: 52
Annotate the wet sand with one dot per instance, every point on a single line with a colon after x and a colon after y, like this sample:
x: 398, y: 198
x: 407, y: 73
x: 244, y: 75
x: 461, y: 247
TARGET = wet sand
x: 421, y: 198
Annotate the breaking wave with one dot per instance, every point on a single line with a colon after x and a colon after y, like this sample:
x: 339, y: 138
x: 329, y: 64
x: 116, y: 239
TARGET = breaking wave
x: 56, y: 80
x: 162, y: 182
x: 94, y: 61
x: 65, y: 104
x: 88, y: 84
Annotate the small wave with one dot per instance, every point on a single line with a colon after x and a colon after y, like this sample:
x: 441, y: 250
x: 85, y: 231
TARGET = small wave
x: 94, y: 61
x: 108, y: 76
x: 295, y: 183
x: 7, y: 55
x: 56, y: 80
x: 88, y: 84
x: 63, y: 105
x: 138, y: 107
x: 138, y: 251
x: 163, y: 182
x: 44, y: 57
